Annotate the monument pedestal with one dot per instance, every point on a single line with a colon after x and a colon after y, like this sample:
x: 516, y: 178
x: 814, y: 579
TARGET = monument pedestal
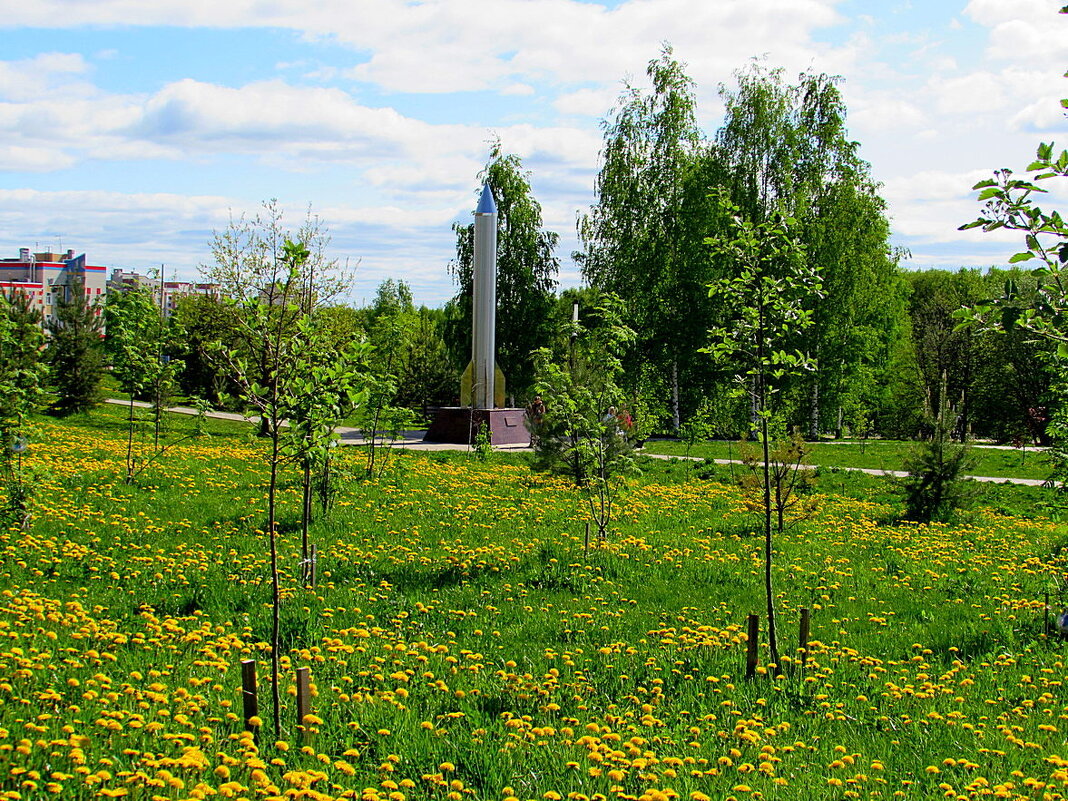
x: 459, y: 425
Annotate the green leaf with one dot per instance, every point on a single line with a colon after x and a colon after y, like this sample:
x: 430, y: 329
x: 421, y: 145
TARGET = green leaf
x: 1025, y: 256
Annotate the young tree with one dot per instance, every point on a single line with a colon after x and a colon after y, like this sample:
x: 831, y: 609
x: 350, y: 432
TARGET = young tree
x: 579, y: 429
x: 526, y: 273
x: 933, y: 489
x: 332, y: 387
x: 138, y: 343
x: 271, y: 282
x: 389, y: 325
x: 768, y: 303
x: 22, y: 379
x: 247, y: 265
x: 790, y: 480
x: 74, y: 351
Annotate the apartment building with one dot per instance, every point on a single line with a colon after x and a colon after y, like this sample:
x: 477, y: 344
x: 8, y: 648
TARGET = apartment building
x: 48, y: 278
x: 166, y: 293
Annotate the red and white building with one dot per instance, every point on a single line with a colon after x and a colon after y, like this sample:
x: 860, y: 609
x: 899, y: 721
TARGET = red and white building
x: 47, y: 278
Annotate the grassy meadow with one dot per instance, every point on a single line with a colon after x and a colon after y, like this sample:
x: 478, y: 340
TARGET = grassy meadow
x: 463, y: 645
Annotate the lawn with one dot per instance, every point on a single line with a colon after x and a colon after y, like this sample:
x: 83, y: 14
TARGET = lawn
x: 463, y: 644
x: 877, y: 455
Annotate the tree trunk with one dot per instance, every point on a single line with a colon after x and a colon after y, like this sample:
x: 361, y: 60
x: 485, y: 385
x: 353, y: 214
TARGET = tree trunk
x: 276, y: 596
x: 769, y: 590
x: 129, y: 444
x: 814, y: 409
x: 676, y: 420
x: 305, y: 520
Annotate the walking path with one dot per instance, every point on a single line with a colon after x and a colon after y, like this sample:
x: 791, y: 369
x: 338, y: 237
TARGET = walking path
x: 413, y: 441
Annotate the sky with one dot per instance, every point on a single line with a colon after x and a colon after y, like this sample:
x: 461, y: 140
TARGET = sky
x: 131, y: 130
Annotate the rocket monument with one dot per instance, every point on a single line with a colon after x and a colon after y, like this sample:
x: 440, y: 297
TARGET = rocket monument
x: 482, y: 384
x: 482, y: 388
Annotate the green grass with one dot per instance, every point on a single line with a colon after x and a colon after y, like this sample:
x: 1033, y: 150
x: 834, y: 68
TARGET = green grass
x: 876, y: 455
x: 460, y: 622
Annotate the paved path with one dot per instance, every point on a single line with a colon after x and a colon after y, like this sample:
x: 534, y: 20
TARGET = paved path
x: 413, y: 440
x: 408, y: 440
x: 1029, y: 482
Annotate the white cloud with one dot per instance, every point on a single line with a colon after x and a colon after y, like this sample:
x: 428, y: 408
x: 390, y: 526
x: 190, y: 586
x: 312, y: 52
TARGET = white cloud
x: 968, y: 94
x: 1030, y: 29
x: 518, y: 89
x: 587, y: 102
x: 44, y: 73
x: 883, y: 111
x: 33, y: 159
x: 928, y: 208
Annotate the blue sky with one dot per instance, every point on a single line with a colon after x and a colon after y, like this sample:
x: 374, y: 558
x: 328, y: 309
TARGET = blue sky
x: 131, y: 130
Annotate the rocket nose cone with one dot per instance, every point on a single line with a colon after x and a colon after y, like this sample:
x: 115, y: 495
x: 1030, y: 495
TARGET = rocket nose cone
x: 485, y: 202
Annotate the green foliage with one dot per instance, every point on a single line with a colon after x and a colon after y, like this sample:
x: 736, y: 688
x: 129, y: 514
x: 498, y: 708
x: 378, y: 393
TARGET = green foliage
x: 791, y: 480
x: 139, y: 342
x: 526, y: 274
x: 641, y: 240
x: 393, y: 326
x: 201, y: 321
x: 785, y: 148
x: 580, y: 431
x: 768, y: 300
x: 74, y: 351
x: 22, y: 379
x: 782, y: 147
x: 698, y: 427
x: 483, y: 445
x: 934, y: 488
x: 1010, y: 204
x: 765, y: 299
x: 332, y: 385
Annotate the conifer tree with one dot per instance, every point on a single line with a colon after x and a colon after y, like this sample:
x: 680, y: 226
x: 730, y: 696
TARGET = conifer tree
x: 75, y: 354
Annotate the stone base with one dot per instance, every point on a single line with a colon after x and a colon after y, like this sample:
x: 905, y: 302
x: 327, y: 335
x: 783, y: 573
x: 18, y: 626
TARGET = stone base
x: 459, y: 425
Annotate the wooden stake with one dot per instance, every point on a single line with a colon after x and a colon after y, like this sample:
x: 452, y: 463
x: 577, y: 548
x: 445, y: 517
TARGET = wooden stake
x: 304, y: 705
x: 751, y: 646
x: 802, y: 640
x: 249, y: 698
x: 313, y: 567
x: 586, y: 542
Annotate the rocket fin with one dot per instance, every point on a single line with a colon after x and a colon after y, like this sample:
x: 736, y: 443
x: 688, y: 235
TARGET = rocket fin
x: 499, y: 393
x: 467, y: 395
